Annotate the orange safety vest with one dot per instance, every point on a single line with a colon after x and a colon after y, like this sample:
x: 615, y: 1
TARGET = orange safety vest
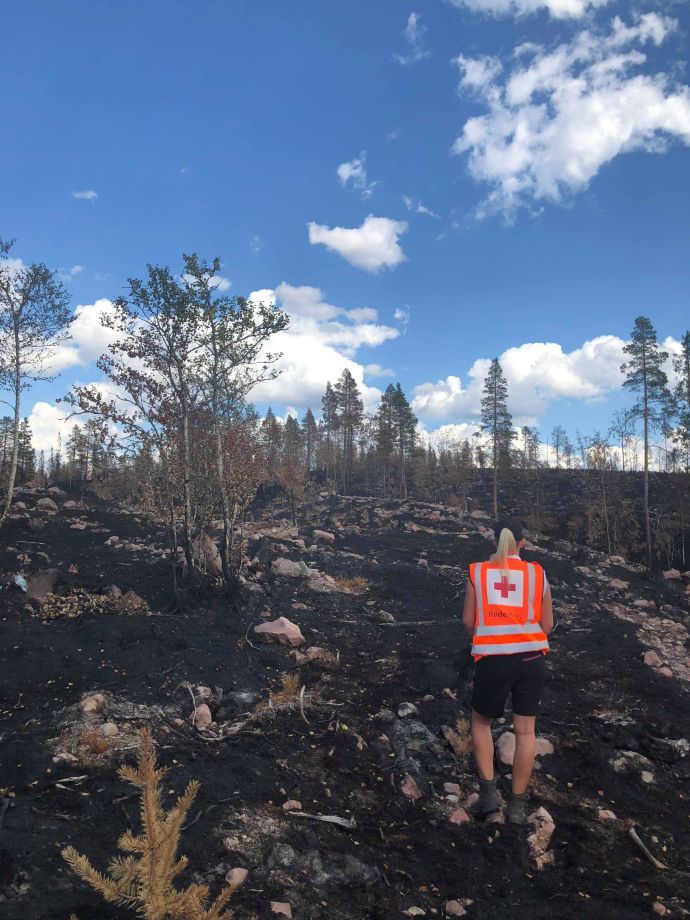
x: 508, y: 603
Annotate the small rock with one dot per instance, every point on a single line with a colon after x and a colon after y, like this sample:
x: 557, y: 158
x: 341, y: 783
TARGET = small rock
x: 231, y: 844
x: 236, y: 877
x: 652, y: 659
x: 647, y: 777
x: 114, y: 591
x: 459, y: 816
x: 93, y: 703
x: 386, y: 617
x: 604, y: 814
x: 542, y: 826
x: 665, y: 672
x: 282, y: 908
x: 410, y: 788
x: 618, y: 584
x: 414, y: 912
x: 78, y: 525
x: 292, y: 805
x: 671, y: 574
x: 407, y: 709
x: 282, y: 631
x: 63, y: 758
x: 109, y: 730
x: 385, y: 715
x: 451, y: 789
x: 73, y: 570
x: 658, y: 908
x: 56, y: 492
x: 203, y: 693
x: 202, y: 717
x: 454, y: 909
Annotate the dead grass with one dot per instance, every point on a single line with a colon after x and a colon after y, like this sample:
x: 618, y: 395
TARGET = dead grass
x: 354, y: 584
x: 79, y: 602
x: 459, y: 738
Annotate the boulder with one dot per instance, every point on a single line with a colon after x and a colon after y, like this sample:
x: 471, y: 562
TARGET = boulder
x: 286, y: 568
x: 671, y: 574
x: 407, y: 709
x: 652, y: 659
x: 92, y: 703
x: 292, y: 805
x: 207, y: 555
x: 56, y: 492
x: 19, y: 506
x: 542, y: 826
x: 282, y: 631
x: 41, y: 583
x: 324, y: 535
x: 47, y: 504
x: 202, y: 717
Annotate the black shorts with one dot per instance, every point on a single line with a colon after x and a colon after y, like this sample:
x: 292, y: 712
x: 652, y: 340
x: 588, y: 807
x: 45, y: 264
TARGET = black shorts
x: 522, y: 675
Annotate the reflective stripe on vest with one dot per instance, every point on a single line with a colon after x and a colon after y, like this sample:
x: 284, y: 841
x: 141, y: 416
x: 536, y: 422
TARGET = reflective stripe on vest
x: 508, y: 602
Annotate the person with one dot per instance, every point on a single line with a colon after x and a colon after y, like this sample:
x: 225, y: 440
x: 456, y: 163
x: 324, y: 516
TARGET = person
x: 509, y: 613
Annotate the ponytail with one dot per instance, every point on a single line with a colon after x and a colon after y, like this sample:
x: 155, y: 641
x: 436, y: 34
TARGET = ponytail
x: 507, y: 546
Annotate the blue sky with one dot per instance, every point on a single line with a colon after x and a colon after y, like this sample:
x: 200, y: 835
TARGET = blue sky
x: 548, y: 139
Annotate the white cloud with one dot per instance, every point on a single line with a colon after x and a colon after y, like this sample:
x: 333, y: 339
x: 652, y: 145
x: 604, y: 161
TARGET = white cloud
x: 321, y: 341
x: 355, y: 172
x: 48, y: 421
x: 256, y: 244
x: 537, y: 373
x: 414, y: 204
x: 69, y: 274
x: 372, y: 246
x: 414, y: 34
x: 559, y: 9
x: 402, y: 315
x: 560, y: 115
x: 88, y: 338
x: 376, y: 370
x: 87, y: 195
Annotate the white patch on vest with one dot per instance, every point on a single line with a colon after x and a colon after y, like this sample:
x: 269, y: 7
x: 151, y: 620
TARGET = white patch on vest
x: 504, y: 589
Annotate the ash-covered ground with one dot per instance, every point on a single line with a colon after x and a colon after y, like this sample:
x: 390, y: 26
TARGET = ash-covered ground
x: 92, y: 652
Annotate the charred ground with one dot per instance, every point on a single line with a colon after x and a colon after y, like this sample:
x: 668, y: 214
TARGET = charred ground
x: 350, y: 758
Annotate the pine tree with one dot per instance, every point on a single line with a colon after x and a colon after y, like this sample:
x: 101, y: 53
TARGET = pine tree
x: 405, y: 422
x: 311, y: 437
x: 558, y: 438
x: 497, y: 422
x: 293, y: 442
x: 350, y: 414
x: 646, y: 377
x: 26, y: 458
x: 272, y: 440
x: 681, y: 365
x: 385, y: 436
x: 330, y: 426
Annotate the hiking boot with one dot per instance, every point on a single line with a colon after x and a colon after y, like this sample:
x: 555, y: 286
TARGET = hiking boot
x: 515, y: 812
x: 487, y: 802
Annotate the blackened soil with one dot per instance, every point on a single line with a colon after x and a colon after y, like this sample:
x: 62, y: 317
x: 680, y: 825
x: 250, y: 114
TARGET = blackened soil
x: 601, y: 699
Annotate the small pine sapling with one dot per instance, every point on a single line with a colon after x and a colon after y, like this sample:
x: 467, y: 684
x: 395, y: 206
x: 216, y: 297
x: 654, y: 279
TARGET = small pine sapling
x: 144, y: 882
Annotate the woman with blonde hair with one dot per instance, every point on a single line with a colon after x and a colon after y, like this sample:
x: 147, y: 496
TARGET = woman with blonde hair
x: 508, y: 611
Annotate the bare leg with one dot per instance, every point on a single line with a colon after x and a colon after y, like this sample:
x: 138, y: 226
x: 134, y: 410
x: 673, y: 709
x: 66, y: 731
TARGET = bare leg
x: 483, y: 745
x: 525, y: 743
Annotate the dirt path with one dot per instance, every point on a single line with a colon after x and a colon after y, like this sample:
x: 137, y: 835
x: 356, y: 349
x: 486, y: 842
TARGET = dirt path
x: 351, y: 756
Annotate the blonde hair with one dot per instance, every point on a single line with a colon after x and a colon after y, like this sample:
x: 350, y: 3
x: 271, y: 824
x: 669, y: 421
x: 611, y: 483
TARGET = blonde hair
x: 507, y: 546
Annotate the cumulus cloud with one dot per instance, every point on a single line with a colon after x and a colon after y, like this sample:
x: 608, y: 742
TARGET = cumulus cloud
x: 49, y: 423
x: 560, y: 115
x: 415, y: 205
x: 559, y: 9
x: 371, y: 247
x: 86, y: 195
x: 321, y: 341
x: 354, y: 173
x: 414, y: 34
x: 89, y: 339
x: 537, y: 373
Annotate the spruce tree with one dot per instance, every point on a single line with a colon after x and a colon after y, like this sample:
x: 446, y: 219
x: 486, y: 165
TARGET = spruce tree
x: 311, y: 436
x: 646, y: 377
x: 329, y: 422
x: 497, y: 423
x: 385, y: 436
x: 293, y: 442
x: 26, y: 458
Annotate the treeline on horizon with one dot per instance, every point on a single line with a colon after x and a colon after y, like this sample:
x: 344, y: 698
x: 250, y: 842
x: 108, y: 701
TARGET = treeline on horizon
x: 174, y: 425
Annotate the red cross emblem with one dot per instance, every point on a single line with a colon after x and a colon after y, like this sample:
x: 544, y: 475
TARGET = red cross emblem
x: 504, y: 587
